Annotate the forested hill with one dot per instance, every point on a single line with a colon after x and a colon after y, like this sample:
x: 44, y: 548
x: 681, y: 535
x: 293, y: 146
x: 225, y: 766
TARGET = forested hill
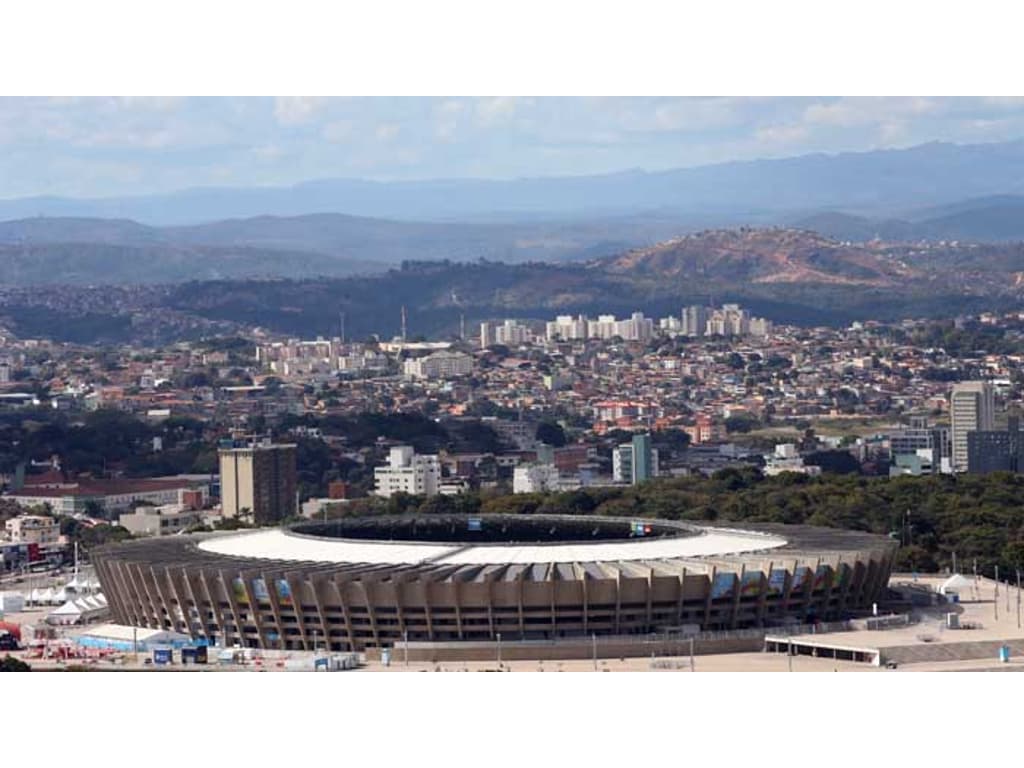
x: 787, y: 275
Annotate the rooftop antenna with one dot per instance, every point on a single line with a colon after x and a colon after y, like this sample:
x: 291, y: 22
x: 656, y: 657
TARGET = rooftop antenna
x: 403, y: 322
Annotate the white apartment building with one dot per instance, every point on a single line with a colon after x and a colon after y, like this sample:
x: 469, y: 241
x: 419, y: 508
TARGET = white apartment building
x: 440, y: 365
x: 786, y: 458
x: 407, y: 472
x: 602, y: 328
x: 33, y: 529
x: 634, y: 328
x: 510, y: 333
x: 535, y: 478
x: 165, y: 520
x: 567, y: 328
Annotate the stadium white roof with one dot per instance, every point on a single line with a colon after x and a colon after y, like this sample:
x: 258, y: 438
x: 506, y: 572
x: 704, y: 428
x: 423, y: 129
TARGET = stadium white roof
x: 277, y: 544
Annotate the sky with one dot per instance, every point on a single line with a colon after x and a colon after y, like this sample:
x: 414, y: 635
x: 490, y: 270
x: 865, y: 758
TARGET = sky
x: 96, y: 147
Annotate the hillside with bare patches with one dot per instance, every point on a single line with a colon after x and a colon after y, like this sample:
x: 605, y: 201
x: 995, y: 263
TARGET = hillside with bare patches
x: 763, y: 256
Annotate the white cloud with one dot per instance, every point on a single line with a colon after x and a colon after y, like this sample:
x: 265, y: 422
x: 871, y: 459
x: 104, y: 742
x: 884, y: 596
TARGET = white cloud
x: 296, y: 110
x: 497, y: 109
x: 782, y: 134
x: 152, y: 103
x: 866, y: 111
x: 338, y: 131
x: 387, y: 131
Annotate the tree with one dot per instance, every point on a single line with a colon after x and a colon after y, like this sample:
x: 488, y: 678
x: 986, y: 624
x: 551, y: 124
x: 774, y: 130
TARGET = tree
x: 741, y: 422
x: 837, y: 462
x: 551, y: 433
x: 11, y: 664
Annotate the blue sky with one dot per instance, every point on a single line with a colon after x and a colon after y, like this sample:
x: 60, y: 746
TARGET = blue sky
x: 111, y: 146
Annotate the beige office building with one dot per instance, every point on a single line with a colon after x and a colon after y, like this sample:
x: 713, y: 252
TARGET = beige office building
x: 971, y: 409
x: 258, y: 482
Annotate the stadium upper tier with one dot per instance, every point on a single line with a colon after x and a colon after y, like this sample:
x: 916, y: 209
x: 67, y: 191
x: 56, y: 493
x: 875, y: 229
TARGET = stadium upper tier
x: 657, y: 544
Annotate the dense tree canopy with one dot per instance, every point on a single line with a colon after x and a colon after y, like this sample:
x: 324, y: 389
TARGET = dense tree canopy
x: 976, y: 516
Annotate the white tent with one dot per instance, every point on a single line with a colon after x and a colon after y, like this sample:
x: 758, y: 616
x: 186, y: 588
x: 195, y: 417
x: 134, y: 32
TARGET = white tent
x: 43, y: 597
x: 954, y: 585
x: 81, y: 584
x: 79, y: 611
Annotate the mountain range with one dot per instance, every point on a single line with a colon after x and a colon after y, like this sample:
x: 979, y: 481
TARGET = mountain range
x: 77, y: 251
x: 880, y: 183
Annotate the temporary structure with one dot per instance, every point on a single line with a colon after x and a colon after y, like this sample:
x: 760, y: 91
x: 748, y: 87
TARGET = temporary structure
x: 119, y: 637
x: 79, y: 611
x: 954, y: 585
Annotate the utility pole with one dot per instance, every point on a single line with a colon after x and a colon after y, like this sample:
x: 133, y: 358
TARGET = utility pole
x: 593, y: 643
x: 955, y: 571
x: 405, y: 637
x: 789, y: 653
x: 995, y: 597
x: 691, y: 656
x: 1018, y: 598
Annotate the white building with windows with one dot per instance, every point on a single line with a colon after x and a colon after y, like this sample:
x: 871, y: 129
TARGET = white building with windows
x: 510, y: 333
x: 407, y: 472
x: 535, y: 478
x: 567, y: 328
x: 33, y: 529
x: 440, y: 365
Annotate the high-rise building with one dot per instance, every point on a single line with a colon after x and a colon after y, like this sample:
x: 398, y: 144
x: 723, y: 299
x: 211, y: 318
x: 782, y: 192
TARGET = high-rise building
x: 407, y: 472
x: 635, y: 461
x: 695, y: 321
x: 971, y: 409
x: 510, y: 333
x: 258, y: 481
x: 567, y: 328
x: 996, y: 450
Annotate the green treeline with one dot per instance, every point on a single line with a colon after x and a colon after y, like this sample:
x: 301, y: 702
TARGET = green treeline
x: 976, y: 516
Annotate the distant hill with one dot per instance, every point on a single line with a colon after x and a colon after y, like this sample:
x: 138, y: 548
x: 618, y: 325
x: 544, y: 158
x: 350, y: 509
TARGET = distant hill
x: 787, y: 275
x: 762, y: 256
x: 882, y: 183
x: 72, y: 229
x: 112, y: 264
x: 995, y: 219
x: 987, y: 223
x: 848, y: 227
x: 56, y: 249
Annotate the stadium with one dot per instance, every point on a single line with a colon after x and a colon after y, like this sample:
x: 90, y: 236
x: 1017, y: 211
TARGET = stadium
x: 370, y: 583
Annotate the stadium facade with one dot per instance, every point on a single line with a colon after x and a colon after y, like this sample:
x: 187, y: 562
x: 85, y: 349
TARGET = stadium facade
x: 356, y: 584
